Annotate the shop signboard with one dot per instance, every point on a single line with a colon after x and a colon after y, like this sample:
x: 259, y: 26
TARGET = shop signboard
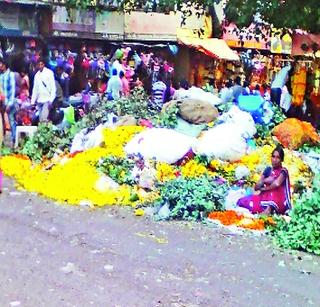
x: 15, y: 21
x: 281, y: 42
x: 150, y: 26
x: 246, y: 37
x: 75, y: 23
x: 110, y: 25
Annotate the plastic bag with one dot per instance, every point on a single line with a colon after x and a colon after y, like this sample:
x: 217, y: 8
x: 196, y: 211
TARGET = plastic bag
x: 161, y: 144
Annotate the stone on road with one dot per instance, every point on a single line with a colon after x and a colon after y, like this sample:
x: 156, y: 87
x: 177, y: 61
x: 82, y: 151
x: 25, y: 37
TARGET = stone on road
x: 57, y: 255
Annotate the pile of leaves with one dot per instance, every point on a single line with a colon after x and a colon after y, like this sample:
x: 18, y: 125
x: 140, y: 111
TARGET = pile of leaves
x: 192, y: 198
x: 167, y: 118
x: 302, y: 232
x: 137, y: 105
x: 264, y: 131
x: 119, y: 169
x: 46, y: 141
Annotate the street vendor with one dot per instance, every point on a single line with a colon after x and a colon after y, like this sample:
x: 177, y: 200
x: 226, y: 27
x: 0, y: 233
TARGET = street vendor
x: 272, y: 192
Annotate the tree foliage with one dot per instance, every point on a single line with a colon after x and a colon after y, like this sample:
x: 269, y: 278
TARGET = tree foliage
x: 281, y: 13
x: 292, y: 14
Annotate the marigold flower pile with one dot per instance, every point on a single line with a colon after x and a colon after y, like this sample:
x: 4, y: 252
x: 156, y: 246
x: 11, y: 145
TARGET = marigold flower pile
x: 72, y: 178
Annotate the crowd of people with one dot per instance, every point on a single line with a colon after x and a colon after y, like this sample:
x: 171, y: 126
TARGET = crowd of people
x: 50, y: 83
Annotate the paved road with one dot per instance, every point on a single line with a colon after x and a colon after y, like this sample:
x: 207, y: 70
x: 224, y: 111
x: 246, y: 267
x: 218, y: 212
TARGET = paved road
x: 54, y: 255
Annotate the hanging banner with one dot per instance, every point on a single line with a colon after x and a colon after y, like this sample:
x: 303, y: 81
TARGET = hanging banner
x: 15, y: 21
x: 110, y: 25
x: 281, y: 42
x: 75, y: 24
x: 248, y: 38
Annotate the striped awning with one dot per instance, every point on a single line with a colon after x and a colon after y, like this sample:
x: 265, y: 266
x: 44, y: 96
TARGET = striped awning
x: 213, y: 47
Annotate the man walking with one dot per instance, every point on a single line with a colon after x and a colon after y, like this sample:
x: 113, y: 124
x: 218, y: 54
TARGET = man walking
x: 44, y: 90
x: 8, y: 88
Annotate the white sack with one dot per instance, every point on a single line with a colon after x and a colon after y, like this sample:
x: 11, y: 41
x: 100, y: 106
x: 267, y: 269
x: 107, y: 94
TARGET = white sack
x: 222, y: 142
x: 243, y: 120
x: 94, y: 138
x: 161, y: 144
x: 200, y: 94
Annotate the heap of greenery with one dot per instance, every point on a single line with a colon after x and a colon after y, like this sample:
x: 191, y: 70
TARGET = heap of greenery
x: 46, y: 142
x: 137, y: 105
x: 192, y: 198
x: 119, y: 169
x: 303, y: 230
x: 264, y: 131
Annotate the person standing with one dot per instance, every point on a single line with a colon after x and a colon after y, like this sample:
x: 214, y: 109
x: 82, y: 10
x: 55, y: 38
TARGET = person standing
x: 278, y: 83
x: 125, y: 85
x: 237, y: 88
x: 44, y: 90
x: 226, y: 93
x: 8, y: 89
x: 158, y: 89
x: 114, y: 87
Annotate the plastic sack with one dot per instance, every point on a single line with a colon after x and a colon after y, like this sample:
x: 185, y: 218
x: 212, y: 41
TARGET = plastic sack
x: 188, y: 129
x: 243, y: 120
x: 94, y: 138
x: 161, y: 144
x: 105, y: 183
x: 222, y: 142
x: 78, y: 142
x: 293, y: 133
x: 200, y: 94
x: 83, y: 141
x: 197, y: 93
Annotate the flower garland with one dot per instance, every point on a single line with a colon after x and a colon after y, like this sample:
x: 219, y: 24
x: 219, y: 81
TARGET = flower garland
x: 230, y: 217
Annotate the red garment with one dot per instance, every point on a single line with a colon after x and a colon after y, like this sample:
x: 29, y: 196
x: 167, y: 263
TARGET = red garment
x: 279, y: 198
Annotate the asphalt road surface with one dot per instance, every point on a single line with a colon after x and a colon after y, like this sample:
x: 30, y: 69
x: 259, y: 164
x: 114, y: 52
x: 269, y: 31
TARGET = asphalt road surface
x: 56, y: 255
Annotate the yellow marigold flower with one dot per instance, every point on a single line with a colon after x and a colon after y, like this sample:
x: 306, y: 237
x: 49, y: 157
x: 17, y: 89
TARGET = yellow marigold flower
x: 165, y: 171
x: 115, y: 139
x: 193, y: 169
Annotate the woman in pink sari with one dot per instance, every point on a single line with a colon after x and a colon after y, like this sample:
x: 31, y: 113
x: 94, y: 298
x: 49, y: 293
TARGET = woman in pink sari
x: 273, y: 189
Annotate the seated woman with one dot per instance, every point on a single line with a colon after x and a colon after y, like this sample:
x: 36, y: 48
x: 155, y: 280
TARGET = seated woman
x: 273, y: 189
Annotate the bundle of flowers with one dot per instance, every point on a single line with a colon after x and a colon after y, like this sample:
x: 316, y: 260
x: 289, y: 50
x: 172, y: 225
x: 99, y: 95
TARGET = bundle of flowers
x: 229, y: 218
x: 293, y: 133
